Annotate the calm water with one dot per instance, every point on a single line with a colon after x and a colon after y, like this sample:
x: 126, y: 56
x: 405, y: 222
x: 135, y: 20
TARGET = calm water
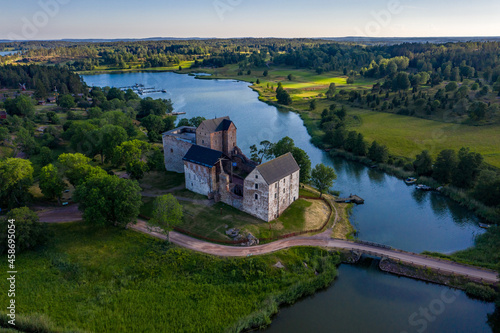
x: 363, y: 299
x: 393, y: 214
x: 5, y: 53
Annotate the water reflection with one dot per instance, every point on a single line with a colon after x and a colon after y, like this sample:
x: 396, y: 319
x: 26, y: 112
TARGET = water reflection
x: 363, y: 299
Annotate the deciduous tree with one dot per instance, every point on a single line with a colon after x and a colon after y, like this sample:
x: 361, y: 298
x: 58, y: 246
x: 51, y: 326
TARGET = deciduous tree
x: 167, y: 213
x: 322, y: 177
x: 111, y: 200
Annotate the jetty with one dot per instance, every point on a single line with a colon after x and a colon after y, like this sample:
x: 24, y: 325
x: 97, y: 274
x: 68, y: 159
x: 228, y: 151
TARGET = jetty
x: 352, y: 198
x: 141, y: 89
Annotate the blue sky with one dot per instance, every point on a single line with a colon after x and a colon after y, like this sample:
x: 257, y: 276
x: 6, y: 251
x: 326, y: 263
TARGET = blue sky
x: 55, y: 19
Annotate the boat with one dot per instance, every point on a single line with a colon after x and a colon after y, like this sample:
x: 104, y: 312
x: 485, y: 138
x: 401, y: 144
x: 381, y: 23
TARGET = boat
x: 410, y: 180
x: 484, y: 225
x: 423, y: 187
x: 164, y: 91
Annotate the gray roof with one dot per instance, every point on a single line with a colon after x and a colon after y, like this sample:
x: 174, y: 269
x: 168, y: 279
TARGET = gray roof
x: 278, y: 168
x: 216, y: 125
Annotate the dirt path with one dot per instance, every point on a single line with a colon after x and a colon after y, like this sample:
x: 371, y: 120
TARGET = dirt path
x: 321, y: 240
x: 69, y: 213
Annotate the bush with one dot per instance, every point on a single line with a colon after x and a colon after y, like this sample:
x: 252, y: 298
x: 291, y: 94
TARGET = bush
x: 480, y: 291
x: 29, y: 233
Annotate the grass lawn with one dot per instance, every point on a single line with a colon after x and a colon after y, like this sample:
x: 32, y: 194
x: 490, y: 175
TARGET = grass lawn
x: 113, y: 280
x: 158, y: 181
x: 408, y: 136
x: 210, y: 221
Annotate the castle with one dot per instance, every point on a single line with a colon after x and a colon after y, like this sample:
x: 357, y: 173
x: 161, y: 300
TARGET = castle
x: 213, y: 165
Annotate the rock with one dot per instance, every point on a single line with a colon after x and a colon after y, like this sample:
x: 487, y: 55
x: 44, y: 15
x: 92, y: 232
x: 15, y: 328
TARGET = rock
x: 305, y: 265
x: 233, y: 232
x: 279, y: 265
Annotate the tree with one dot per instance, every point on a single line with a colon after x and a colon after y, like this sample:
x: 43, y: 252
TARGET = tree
x: 445, y: 165
x: 167, y: 213
x: 77, y: 168
x: 283, y: 146
x: 331, y: 91
x: 66, y: 102
x: 45, y: 156
x: 131, y: 154
x: 477, y: 111
x: 16, y: 176
x: 30, y: 233
x: 322, y: 177
x: 154, y: 106
x: 109, y: 136
x: 487, y: 189
x: 282, y: 95
x: 360, y: 146
x: 337, y: 137
x: 452, y: 86
x: 312, y: 105
x: 290, y: 77
x: 4, y: 133
x: 350, y: 141
x: 52, y: 117
x: 156, y: 160
x: 109, y: 200
x: 378, y: 153
x: 22, y: 105
x: 94, y: 112
x: 51, y: 183
x: 423, y: 163
x: 40, y: 90
x: 265, y: 152
x: 304, y: 163
x: 467, y: 169
x: 265, y: 73
x: 26, y: 141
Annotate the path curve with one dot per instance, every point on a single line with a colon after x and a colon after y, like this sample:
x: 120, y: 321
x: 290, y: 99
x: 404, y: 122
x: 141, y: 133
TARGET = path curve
x: 321, y: 240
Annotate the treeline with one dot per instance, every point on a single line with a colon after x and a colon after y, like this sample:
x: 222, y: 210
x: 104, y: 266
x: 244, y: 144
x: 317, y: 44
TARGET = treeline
x: 42, y: 79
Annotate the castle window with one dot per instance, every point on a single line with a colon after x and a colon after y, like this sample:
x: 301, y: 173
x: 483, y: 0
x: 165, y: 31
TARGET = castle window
x: 293, y: 198
x: 202, y: 141
x: 275, y: 195
x: 256, y: 197
x: 283, y: 190
x: 256, y: 176
x: 171, y: 150
x: 256, y: 186
x: 276, y: 185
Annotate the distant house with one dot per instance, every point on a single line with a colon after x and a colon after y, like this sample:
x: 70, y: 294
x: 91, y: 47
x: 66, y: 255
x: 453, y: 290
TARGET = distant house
x: 42, y: 102
x: 3, y: 114
x: 51, y: 100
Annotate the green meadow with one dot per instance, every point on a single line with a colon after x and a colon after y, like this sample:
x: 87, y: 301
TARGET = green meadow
x: 113, y: 280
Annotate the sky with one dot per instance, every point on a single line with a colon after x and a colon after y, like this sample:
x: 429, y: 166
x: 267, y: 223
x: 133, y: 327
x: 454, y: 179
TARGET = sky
x: 60, y: 19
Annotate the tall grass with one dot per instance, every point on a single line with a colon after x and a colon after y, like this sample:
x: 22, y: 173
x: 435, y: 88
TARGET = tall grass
x: 112, y: 280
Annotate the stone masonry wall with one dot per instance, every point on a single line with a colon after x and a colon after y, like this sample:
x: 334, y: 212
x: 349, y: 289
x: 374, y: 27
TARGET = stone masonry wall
x: 174, y: 150
x: 199, y: 179
x: 258, y: 207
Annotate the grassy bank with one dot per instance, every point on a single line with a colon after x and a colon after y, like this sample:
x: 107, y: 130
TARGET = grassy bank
x: 137, y: 281
x: 485, y: 253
